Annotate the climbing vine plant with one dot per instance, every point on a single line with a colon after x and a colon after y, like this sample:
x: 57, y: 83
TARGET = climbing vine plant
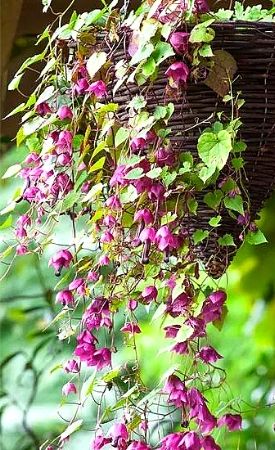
x: 100, y: 154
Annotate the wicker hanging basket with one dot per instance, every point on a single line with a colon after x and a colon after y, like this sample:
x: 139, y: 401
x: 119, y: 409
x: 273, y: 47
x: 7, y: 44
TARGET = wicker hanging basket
x: 252, y: 44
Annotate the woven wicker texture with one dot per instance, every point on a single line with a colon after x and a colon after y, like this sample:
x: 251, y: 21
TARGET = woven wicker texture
x: 253, y: 47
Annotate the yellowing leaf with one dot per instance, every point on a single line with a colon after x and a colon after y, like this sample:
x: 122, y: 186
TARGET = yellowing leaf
x: 95, y: 62
x: 222, y: 72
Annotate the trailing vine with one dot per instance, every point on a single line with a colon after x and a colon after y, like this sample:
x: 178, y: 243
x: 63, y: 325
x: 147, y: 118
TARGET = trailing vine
x: 103, y: 157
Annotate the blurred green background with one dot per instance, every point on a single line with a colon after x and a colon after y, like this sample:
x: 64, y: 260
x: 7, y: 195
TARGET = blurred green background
x: 31, y: 390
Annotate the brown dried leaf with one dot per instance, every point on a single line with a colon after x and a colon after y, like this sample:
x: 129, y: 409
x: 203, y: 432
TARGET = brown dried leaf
x: 222, y: 72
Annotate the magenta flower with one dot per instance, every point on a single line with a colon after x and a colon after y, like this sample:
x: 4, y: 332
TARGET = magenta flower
x: 24, y: 220
x: 104, y: 260
x: 20, y: 232
x: 61, y: 185
x: 176, y: 390
x: 137, y: 144
x: 113, y: 202
x: 172, y: 442
x: 118, y: 177
x: 93, y: 276
x: 171, y: 331
x: 64, y: 141
x: 132, y: 305
x: 65, y: 298
x: 191, y: 441
x: 138, y: 445
x: 208, y: 355
x: 80, y: 87
x: 149, y: 293
x: 178, y: 72
x: 148, y: 234
x: 69, y: 388
x: 98, y: 314
x: 65, y: 112
x: 201, y: 7
x: 62, y: 258
x: 64, y: 159
x: 32, y: 158
x: 177, y: 306
x: 212, y: 307
x: 43, y: 109
x: 71, y: 366
x: 143, y: 184
x: 85, y: 346
x: 21, y: 249
x: 179, y: 41
x: 109, y: 221
x: 145, y: 216
x: 181, y: 348
x: 100, y: 358
x: 79, y: 285
x: 99, y: 441
x: 106, y: 237
x: 208, y: 443
x: 165, y: 239
x: 231, y: 421
x: 198, y: 326
x: 98, y: 88
x: 156, y: 192
x: 165, y: 157
x: 130, y: 327
x: 118, y: 433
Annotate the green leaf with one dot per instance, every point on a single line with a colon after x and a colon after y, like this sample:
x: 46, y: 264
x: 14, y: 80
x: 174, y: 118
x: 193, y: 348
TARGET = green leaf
x: 226, y: 240
x: 11, y: 171
x: 255, y: 237
x: 98, y: 164
x: 121, y: 136
x: 237, y: 163
x: 192, y: 205
x: 213, y: 199
x: 135, y: 174
x: 7, y: 223
x: 15, y: 82
x: 169, y: 217
x: 154, y: 173
x: 16, y: 110
x: 70, y: 200
x: 206, y: 172
x: 111, y: 375
x: 162, y: 51
x: 239, y: 146
x: 129, y: 194
x: 149, y: 67
x: 95, y: 62
x: 200, y: 235
x: 235, y: 203
x: 141, y: 54
x: 201, y: 32
x: 137, y: 103
x: 214, y: 148
x: 206, y: 51
x: 215, y: 221
x: 71, y: 429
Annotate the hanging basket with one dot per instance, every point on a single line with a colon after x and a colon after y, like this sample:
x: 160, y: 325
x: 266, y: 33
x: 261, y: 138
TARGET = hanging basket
x: 252, y: 45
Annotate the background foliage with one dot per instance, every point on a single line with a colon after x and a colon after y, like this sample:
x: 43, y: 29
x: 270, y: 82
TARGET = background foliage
x: 31, y: 381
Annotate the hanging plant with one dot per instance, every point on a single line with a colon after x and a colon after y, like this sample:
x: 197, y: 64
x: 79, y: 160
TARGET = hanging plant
x: 152, y: 133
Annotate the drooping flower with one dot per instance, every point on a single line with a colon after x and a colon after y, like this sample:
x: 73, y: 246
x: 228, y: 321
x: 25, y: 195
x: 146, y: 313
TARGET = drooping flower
x: 85, y: 346
x: 93, y: 276
x: 171, y: 331
x: 208, y: 443
x: 65, y: 297
x: 62, y: 258
x: 109, y: 221
x: 156, y: 192
x: 98, y: 314
x: 24, y: 220
x: 99, y: 441
x: 100, y: 358
x: 191, y: 441
x: 178, y: 72
x: 165, y: 240
x: 118, y: 433
x: 69, y: 388
x: 113, y: 202
x: 149, y: 293
x: 79, y: 285
x: 231, y: 421
x: 43, y: 109
x: 172, y: 442
x: 104, y: 260
x: 118, y: 177
x: 201, y: 7
x: 80, y: 87
x: 209, y: 354
x: 181, y: 348
x: 165, y: 157
x: 175, y: 307
x: 148, y: 234
x: 98, y: 88
x: 176, y: 390
x: 71, y: 366
x: 130, y: 327
x: 65, y: 112
x: 179, y: 41
x: 106, y: 237
x: 21, y: 249
x: 144, y: 215
x: 212, y: 307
